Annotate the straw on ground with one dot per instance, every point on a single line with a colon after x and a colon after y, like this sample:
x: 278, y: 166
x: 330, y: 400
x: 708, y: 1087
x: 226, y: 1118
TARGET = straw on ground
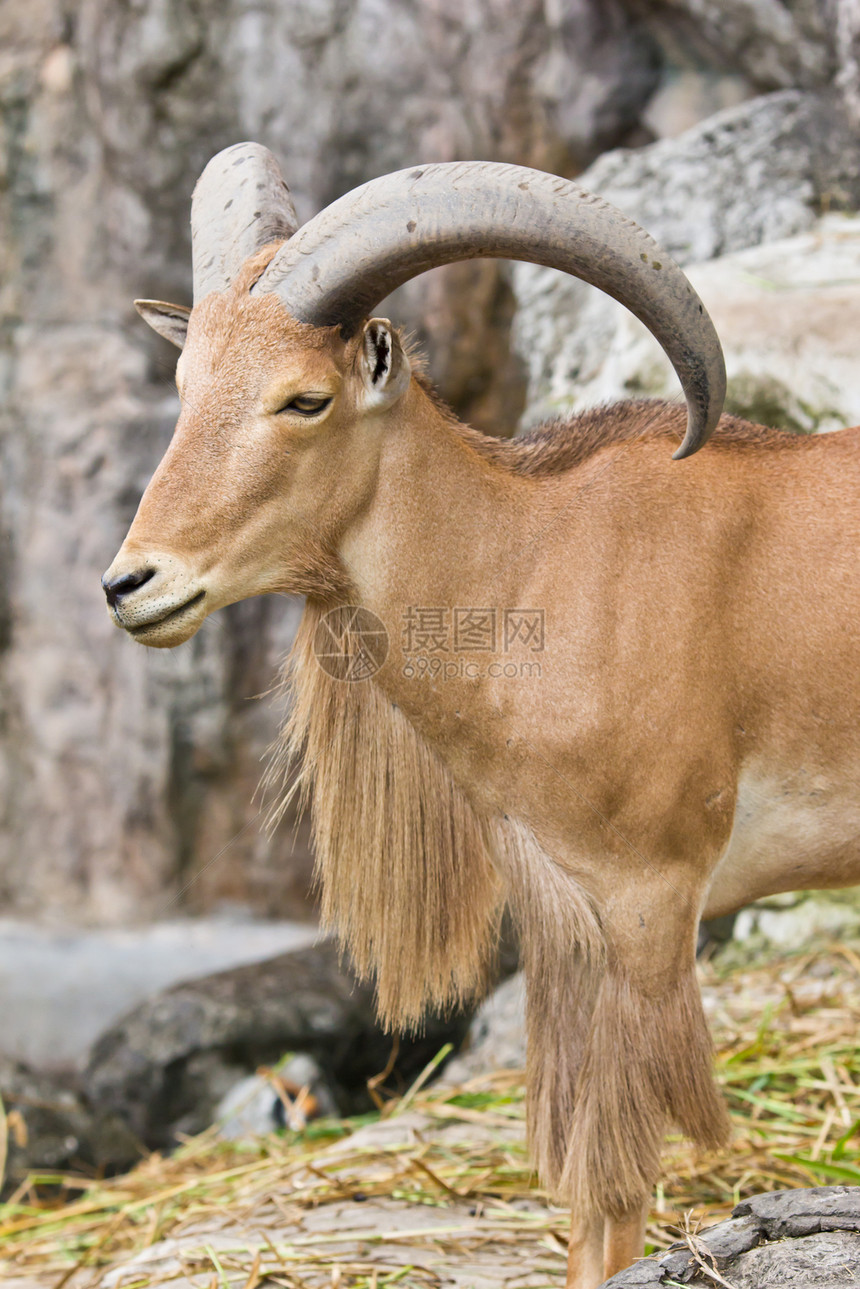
x: 444, y: 1179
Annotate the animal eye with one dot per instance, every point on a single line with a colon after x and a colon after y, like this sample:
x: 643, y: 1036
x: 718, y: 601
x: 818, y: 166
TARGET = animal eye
x: 306, y: 405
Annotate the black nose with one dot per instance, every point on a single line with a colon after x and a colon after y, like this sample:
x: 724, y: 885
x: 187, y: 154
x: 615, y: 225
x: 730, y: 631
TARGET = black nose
x: 120, y: 586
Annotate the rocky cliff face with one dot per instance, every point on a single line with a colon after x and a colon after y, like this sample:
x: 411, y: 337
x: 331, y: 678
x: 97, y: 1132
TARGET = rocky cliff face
x: 746, y: 180
x: 127, y: 775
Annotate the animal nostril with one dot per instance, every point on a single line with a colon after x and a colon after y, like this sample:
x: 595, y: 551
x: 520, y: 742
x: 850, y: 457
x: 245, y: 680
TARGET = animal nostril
x: 120, y: 586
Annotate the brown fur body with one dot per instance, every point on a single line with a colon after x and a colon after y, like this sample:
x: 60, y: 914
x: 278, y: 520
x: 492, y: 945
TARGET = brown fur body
x: 690, y: 743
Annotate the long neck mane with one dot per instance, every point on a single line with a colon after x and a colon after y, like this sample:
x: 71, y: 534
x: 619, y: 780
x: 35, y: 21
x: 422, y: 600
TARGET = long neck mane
x: 403, y: 858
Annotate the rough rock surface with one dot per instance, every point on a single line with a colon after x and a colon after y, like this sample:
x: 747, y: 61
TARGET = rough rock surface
x: 806, y: 1239
x: 747, y: 178
x: 497, y: 1037
x: 165, y: 1067
x: 786, y: 313
x: 52, y: 1126
x: 788, y: 922
x: 776, y: 44
x: 124, y: 773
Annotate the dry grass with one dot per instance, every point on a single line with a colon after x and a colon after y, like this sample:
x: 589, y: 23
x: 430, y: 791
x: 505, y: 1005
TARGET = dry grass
x: 787, y: 1037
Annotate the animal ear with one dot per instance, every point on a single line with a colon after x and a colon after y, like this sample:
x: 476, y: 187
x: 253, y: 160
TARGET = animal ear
x: 169, y: 320
x: 385, y: 369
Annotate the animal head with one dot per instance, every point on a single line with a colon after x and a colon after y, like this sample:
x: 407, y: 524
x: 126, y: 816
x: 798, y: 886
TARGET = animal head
x: 289, y: 385
x: 271, y: 458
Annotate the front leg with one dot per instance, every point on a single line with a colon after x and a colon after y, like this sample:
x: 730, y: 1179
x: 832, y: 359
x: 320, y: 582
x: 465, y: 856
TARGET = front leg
x: 617, y: 1040
x: 585, y: 1253
x: 618, y: 1047
x: 647, y: 1061
x: 600, y: 1247
x: 623, y: 1240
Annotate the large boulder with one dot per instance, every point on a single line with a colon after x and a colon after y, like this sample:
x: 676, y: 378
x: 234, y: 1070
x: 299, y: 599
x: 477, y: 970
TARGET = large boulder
x: 802, y: 1239
x: 787, y: 313
x: 52, y: 1127
x: 165, y: 1067
x: 736, y: 191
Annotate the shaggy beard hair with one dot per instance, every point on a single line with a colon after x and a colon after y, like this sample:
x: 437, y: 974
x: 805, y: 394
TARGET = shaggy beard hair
x: 402, y: 858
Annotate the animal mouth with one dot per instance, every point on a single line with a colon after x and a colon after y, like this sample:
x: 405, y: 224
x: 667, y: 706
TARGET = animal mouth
x: 172, y: 615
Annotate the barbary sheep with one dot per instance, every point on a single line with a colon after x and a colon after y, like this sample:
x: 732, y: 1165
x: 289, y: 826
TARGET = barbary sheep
x: 564, y: 671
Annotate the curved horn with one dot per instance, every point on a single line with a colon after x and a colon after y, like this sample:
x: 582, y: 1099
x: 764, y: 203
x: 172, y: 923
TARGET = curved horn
x: 240, y: 203
x: 356, y: 251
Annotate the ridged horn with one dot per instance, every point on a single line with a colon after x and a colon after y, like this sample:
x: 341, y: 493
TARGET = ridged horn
x: 351, y: 255
x: 240, y: 203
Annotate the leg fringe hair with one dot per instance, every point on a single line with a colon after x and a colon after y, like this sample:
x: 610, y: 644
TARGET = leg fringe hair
x: 562, y: 953
x: 647, y: 1062
x: 608, y: 1065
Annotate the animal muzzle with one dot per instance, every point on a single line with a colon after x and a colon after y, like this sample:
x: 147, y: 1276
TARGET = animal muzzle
x: 155, y: 599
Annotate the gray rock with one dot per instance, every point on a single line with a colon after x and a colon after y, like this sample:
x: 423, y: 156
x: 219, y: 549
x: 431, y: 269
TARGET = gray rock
x: 801, y: 1212
x: 52, y: 1127
x: 253, y: 1106
x: 497, y: 1036
x: 776, y: 44
x: 816, y: 1262
x: 747, y: 177
x: 846, y: 29
x: 807, y: 1238
x: 773, y: 44
x: 804, y: 920
x: 749, y: 174
x: 165, y: 1067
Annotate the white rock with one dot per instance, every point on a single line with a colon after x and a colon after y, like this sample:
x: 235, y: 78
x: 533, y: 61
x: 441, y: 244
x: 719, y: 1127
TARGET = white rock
x: 497, y: 1035
x: 253, y: 1108
x: 813, y: 918
x: 787, y: 313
